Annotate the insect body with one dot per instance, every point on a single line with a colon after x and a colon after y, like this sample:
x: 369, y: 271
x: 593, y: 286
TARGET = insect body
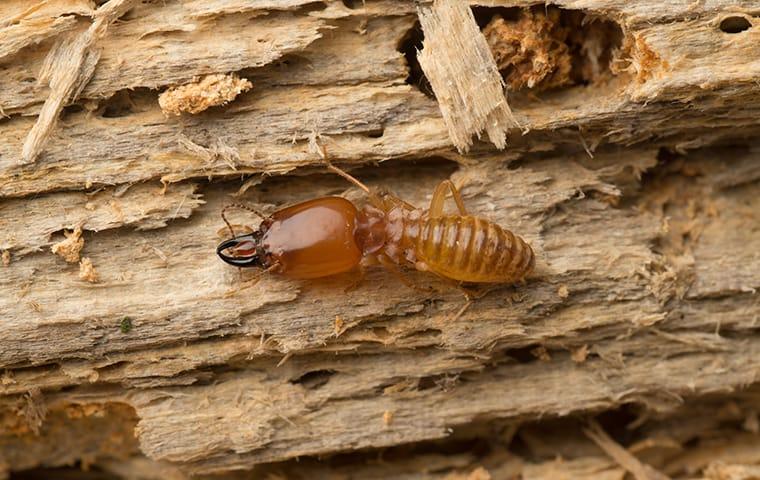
x: 312, y: 239
x: 330, y: 235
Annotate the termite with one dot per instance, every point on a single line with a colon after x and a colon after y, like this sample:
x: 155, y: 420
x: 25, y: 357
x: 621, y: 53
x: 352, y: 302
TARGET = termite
x: 330, y: 235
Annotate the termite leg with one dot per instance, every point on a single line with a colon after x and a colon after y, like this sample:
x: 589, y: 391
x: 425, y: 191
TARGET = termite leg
x: 251, y: 282
x: 259, y: 275
x: 367, y: 261
x: 357, y: 281
x: 243, y: 207
x: 439, y: 197
x: 462, y: 310
x: 475, y: 293
x: 390, y: 265
x: 470, y: 295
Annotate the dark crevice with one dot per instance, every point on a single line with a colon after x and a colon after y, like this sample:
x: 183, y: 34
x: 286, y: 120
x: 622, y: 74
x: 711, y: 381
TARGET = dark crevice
x: 353, y: 4
x: 127, y: 102
x: 411, y: 43
x: 735, y: 24
x: 375, y: 133
x: 443, y: 382
x: 523, y: 354
x: 314, y: 380
x: 316, y: 6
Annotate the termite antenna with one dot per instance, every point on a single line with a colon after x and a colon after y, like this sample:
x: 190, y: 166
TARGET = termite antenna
x: 242, y: 207
x: 347, y: 176
x: 321, y: 150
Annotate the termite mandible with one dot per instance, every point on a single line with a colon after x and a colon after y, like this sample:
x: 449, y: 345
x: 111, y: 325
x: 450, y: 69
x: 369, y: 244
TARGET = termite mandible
x: 330, y: 235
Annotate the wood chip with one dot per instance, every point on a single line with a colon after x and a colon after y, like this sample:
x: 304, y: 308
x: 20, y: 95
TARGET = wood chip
x: 87, y: 271
x: 69, y: 248
x: 209, y: 91
x: 460, y: 67
x: 623, y: 457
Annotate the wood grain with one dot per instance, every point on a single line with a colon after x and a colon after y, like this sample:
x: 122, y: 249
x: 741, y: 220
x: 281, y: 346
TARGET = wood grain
x: 638, y: 191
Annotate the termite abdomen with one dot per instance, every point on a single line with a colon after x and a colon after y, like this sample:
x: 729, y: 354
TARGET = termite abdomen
x: 471, y: 249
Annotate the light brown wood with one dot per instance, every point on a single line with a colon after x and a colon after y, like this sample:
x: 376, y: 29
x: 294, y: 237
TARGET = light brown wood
x: 147, y: 357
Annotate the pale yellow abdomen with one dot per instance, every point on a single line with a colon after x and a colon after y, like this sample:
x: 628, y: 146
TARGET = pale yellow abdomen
x: 471, y: 249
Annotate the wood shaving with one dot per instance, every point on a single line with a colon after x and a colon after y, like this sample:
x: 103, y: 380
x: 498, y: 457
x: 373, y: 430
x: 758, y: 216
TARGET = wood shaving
x: 87, y: 271
x: 459, y: 65
x: 69, y: 248
x: 210, y: 91
x: 623, y: 457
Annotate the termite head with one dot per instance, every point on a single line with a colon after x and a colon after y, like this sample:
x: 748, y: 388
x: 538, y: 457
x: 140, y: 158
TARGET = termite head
x: 243, y: 251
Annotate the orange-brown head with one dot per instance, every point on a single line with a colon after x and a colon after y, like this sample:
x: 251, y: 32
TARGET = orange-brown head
x: 312, y: 239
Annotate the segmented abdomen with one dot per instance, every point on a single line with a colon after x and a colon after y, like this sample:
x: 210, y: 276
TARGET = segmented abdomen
x: 472, y: 249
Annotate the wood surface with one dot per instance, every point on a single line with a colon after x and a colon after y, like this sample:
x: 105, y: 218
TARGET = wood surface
x: 631, y: 352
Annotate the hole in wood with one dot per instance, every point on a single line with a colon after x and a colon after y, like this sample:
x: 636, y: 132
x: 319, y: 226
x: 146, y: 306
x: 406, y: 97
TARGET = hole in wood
x: 443, y: 381
x: 376, y: 133
x: 545, y: 47
x: 522, y: 355
x: 127, y: 102
x: 411, y: 43
x: 313, y: 380
x: 352, y: 4
x: 735, y: 24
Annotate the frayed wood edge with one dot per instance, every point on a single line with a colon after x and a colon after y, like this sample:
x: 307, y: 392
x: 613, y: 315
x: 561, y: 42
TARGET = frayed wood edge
x: 463, y: 74
x: 67, y: 69
x: 623, y: 457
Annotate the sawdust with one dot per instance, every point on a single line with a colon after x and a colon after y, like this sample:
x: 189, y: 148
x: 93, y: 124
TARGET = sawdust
x: 6, y: 258
x: 546, y: 47
x: 209, y: 91
x: 7, y: 378
x: 69, y: 248
x: 531, y: 52
x: 563, y: 291
x: 68, y: 67
x: 87, y: 271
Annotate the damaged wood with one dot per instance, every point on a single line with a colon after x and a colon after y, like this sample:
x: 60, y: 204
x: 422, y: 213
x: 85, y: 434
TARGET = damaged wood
x: 460, y: 67
x: 66, y: 70
x: 635, y: 179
